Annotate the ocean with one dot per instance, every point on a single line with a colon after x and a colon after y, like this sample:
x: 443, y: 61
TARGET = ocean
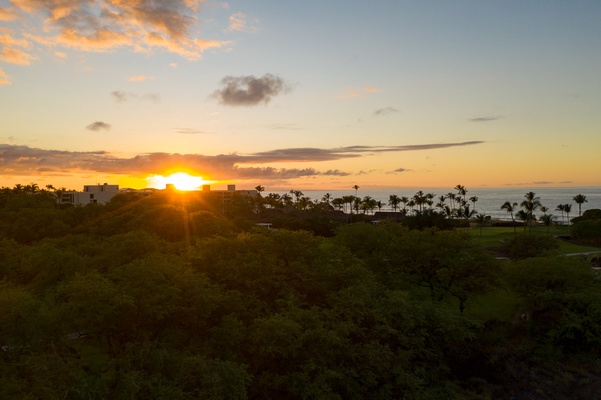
x: 489, y: 199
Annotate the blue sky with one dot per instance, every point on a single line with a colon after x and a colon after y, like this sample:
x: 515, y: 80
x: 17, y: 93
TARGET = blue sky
x: 309, y: 95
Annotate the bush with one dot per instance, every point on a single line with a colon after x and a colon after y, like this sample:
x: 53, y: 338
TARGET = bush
x: 588, y: 230
x: 525, y: 246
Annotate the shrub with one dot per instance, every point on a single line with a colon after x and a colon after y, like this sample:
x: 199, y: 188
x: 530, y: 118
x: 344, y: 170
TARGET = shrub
x: 525, y: 246
x: 588, y: 230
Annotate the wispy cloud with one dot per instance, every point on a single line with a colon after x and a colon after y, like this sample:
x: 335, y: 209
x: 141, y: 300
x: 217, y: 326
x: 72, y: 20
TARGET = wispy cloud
x: 250, y: 90
x: 487, y: 118
x: 138, y: 78
x: 4, y: 79
x: 12, y: 49
x: 122, y: 97
x: 400, y: 170
x: 284, y: 127
x: 356, y: 92
x: 385, y: 111
x: 237, y: 22
x: 188, y: 131
x: 24, y: 160
x: 104, y: 25
x: 98, y: 126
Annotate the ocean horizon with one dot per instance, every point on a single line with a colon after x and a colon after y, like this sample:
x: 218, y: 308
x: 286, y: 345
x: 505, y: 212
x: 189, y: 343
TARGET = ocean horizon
x: 489, y: 199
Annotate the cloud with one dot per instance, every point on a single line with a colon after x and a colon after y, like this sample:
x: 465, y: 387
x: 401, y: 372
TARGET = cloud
x: 98, y: 126
x: 138, y: 78
x: 486, y: 118
x: 188, y: 131
x: 287, y: 127
x: 543, y: 183
x: 356, y: 92
x: 386, y: 111
x: 104, y: 25
x: 399, y: 170
x: 24, y: 160
x: 7, y: 15
x: 237, y: 22
x: 122, y: 97
x: 316, y: 154
x: 4, y: 79
x: 249, y: 90
x: 11, y: 49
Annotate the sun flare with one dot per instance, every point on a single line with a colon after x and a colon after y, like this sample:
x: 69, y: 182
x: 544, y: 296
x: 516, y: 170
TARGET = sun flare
x: 181, y: 181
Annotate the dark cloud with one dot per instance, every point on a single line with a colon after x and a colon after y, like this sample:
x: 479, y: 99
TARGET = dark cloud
x: 386, y: 111
x: 399, y: 170
x: 120, y: 96
x: 24, y: 160
x: 543, y: 183
x: 249, y: 90
x: 486, y: 118
x: 98, y: 126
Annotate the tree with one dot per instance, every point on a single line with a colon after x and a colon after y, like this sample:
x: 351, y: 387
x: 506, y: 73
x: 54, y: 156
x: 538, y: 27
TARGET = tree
x: 530, y: 205
x: 356, y: 187
x: 327, y: 199
x: 394, y: 201
x: 547, y: 220
x: 461, y: 191
x: 405, y: 201
x: 260, y: 189
x: 560, y: 207
x: 567, y: 208
x: 481, y: 220
x: 510, y: 208
x: 474, y: 199
x: 580, y: 199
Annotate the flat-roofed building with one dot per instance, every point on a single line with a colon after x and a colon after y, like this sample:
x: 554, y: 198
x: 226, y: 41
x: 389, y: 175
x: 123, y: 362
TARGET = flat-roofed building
x: 91, y: 194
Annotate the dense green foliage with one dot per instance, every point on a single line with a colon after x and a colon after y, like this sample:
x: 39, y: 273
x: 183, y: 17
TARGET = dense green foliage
x: 588, y: 227
x: 179, y: 296
x: 524, y: 246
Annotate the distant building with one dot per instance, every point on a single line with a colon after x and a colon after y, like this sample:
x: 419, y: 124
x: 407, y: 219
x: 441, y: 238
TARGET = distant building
x: 91, y: 194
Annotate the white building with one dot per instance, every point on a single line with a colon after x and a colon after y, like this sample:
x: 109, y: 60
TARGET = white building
x: 91, y: 194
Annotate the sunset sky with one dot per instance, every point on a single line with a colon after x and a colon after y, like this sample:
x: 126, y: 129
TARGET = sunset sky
x: 304, y: 95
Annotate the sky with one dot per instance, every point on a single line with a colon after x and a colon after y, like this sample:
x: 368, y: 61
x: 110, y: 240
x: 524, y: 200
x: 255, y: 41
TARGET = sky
x: 312, y: 95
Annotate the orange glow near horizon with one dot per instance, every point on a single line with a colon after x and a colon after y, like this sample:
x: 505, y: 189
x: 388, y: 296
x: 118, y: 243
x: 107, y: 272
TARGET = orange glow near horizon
x: 181, y: 181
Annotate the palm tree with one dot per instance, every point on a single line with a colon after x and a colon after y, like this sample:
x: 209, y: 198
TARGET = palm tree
x: 510, y: 208
x: 560, y: 207
x: 580, y: 199
x: 474, y: 199
x: 356, y: 187
x: 482, y: 219
x: 530, y: 205
x: 394, y: 201
x: 349, y: 200
x: 338, y: 203
x: 461, y: 191
x: 451, y: 197
x: 411, y: 204
x: 547, y: 219
x: 523, y: 216
x: 420, y: 199
x: 567, y: 208
x: 327, y: 199
x: 405, y: 201
x: 259, y: 189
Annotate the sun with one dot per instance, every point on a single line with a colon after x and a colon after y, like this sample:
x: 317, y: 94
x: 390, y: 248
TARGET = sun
x: 181, y: 181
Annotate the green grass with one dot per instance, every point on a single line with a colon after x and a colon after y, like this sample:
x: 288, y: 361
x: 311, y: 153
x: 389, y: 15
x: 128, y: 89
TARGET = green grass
x: 493, y: 236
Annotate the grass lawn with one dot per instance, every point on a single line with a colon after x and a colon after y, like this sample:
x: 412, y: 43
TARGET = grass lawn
x: 493, y: 236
